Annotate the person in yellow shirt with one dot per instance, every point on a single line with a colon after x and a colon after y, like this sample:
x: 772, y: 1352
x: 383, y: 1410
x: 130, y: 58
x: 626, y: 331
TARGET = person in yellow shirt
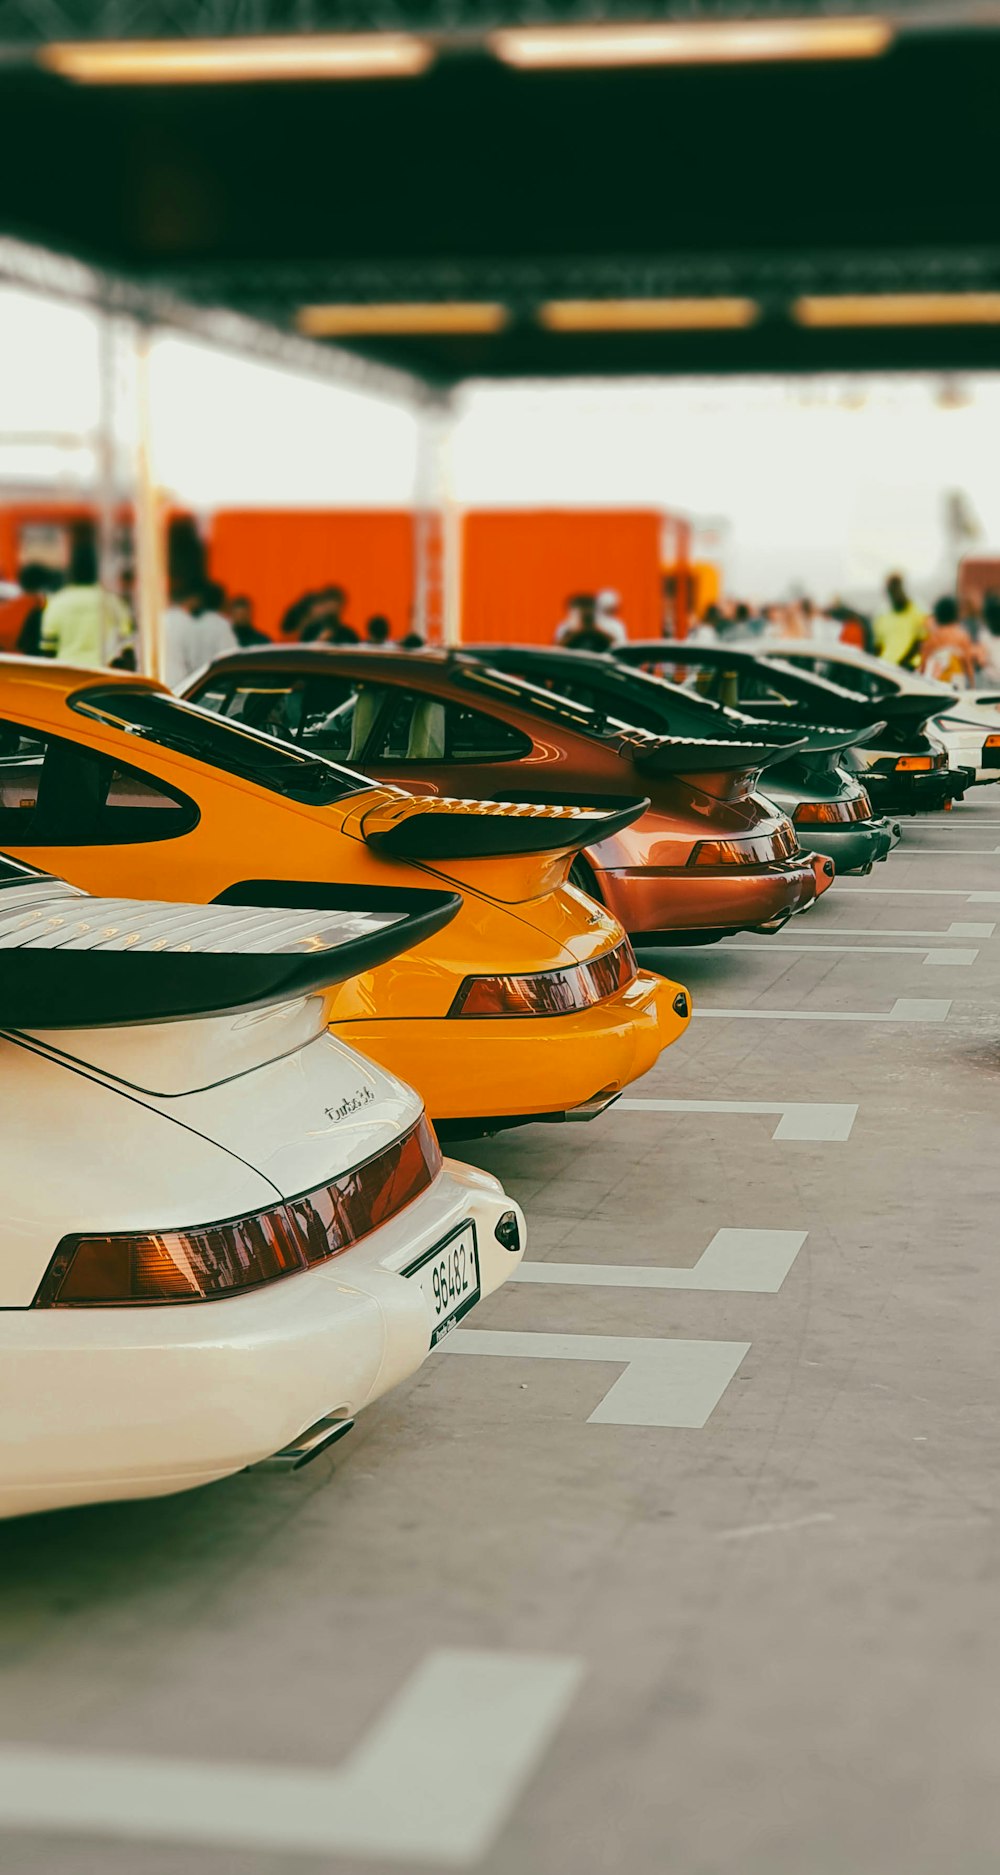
x: 84, y: 624
x: 900, y: 631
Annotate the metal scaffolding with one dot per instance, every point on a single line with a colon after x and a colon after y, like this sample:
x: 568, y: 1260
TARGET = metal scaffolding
x: 25, y: 23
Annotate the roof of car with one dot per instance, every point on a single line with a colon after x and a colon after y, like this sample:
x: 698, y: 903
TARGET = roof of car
x: 852, y: 654
x: 50, y: 674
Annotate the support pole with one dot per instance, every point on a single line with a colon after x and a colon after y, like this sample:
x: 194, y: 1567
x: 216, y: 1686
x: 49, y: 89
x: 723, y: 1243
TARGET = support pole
x: 107, y: 455
x: 151, y: 582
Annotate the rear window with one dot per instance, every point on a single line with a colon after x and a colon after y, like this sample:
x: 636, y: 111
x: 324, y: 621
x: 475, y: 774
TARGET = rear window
x: 219, y: 743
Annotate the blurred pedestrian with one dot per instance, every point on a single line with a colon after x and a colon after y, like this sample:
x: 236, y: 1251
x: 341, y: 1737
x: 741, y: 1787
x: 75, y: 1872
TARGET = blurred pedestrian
x: 949, y: 651
x: 37, y: 582
x: 583, y: 628
x: 325, y: 622
x: 240, y: 613
x: 84, y: 623
x: 613, y: 626
x: 378, y: 631
x: 988, y: 641
x: 194, y: 632
x: 900, y: 630
x: 294, y: 616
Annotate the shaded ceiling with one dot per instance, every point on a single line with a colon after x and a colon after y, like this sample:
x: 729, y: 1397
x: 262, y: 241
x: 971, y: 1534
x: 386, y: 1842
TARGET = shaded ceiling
x: 478, y: 181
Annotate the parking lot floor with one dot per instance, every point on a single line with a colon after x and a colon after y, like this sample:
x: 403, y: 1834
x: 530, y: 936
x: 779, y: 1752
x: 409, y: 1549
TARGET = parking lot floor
x: 724, y: 1601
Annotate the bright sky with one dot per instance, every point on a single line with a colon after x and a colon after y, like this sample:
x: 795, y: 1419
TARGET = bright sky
x: 821, y: 483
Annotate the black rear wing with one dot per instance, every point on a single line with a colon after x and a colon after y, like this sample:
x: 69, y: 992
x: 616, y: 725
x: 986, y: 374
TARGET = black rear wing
x: 672, y: 755
x: 68, y: 961
x: 432, y: 827
x: 835, y: 741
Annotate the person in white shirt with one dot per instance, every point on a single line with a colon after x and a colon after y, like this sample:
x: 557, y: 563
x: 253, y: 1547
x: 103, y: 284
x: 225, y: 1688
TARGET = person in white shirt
x: 193, y: 634
x: 608, y: 619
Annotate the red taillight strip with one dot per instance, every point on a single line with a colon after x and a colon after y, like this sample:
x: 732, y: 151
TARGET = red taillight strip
x: 579, y: 986
x: 208, y: 1261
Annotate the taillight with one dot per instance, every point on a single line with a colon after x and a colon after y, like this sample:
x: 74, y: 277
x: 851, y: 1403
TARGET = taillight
x: 822, y: 813
x: 209, y: 1261
x: 919, y: 764
x: 760, y: 851
x: 548, y: 992
x: 825, y: 813
x: 992, y: 742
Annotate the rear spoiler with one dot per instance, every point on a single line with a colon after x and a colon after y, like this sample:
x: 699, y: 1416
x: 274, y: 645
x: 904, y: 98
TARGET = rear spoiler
x: 671, y: 755
x: 68, y: 961
x: 432, y: 827
x: 832, y: 741
x: 911, y: 711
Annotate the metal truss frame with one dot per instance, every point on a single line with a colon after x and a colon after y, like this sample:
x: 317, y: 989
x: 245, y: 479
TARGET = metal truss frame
x: 63, y: 276
x: 774, y: 279
x: 27, y: 23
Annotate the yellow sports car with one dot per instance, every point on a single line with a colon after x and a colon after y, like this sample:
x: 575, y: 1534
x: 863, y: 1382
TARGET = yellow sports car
x: 528, y: 1004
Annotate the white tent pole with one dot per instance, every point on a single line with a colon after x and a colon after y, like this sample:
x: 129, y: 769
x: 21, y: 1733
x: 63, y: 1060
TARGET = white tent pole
x: 149, y: 554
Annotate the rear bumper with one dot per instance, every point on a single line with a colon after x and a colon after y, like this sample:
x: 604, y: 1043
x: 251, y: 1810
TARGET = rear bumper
x: 139, y: 1402
x: 699, y: 898
x: 918, y: 793
x: 527, y: 1065
x: 857, y: 848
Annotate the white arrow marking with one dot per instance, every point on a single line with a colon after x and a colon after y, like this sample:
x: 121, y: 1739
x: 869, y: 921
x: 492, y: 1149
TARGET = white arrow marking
x: 904, y: 1009
x: 665, y: 1383
x: 750, y: 1262
x: 486, y: 1716
x: 801, y: 1119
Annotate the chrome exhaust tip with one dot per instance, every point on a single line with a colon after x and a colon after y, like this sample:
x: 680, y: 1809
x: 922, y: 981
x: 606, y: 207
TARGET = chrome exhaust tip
x: 309, y: 1444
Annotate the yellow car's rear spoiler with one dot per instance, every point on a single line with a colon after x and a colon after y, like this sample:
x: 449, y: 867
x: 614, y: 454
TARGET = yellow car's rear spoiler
x: 434, y: 827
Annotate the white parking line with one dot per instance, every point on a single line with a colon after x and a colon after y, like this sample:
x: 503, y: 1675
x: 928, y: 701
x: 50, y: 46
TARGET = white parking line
x: 488, y: 1717
x: 863, y: 950
x: 904, y: 1009
x: 800, y: 1119
x: 752, y: 1262
x: 953, y: 931
x: 920, y: 891
x: 665, y: 1383
x: 950, y: 852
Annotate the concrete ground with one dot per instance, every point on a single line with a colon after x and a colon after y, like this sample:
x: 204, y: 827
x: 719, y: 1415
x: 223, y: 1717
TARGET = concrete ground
x: 532, y: 1616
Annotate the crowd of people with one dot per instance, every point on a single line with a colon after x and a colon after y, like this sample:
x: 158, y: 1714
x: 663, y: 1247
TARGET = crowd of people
x: 72, y: 616
x: 76, y: 618
x: 958, y: 644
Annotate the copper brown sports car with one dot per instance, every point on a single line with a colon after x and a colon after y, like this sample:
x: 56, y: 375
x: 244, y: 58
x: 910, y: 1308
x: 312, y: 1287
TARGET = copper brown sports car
x: 710, y: 856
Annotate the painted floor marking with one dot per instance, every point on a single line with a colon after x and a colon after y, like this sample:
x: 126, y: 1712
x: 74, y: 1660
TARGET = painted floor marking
x: 904, y: 1009
x: 665, y: 1383
x: 750, y: 1262
x: 921, y: 891
x: 800, y: 1119
x: 951, y: 852
x: 953, y: 931
x: 861, y: 950
x: 487, y: 1716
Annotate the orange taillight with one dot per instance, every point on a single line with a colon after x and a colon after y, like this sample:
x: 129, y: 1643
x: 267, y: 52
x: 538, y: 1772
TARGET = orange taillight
x: 548, y: 992
x: 210, y: 1261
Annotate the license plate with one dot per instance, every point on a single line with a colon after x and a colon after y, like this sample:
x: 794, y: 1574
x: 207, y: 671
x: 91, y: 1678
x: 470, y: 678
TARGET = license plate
x: 449, y: 1278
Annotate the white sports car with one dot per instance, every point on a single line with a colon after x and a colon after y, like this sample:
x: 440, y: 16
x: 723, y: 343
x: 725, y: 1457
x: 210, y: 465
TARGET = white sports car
x: 969, y: 725
x: 223, y: 1231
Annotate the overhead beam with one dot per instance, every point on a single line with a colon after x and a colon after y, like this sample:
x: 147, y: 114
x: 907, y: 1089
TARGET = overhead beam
x: 28, y: 23
x: 63, y: 276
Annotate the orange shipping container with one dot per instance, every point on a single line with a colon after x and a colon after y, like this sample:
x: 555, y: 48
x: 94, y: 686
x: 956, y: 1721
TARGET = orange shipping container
x: 275, y: 555
x: 520, y: 566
